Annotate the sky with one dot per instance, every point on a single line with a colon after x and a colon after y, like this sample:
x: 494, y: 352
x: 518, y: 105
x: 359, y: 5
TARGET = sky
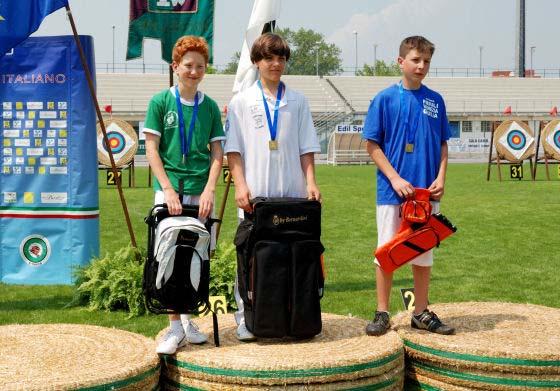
x: 457, y: 27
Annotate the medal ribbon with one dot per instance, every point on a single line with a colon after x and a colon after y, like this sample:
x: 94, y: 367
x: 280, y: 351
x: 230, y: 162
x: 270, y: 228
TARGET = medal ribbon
x: 186, y: 144
x: 410, y: 132
x: 272, y: 125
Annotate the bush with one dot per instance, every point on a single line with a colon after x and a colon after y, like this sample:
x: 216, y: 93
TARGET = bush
x: 112, y: 283
x: 222, y: 273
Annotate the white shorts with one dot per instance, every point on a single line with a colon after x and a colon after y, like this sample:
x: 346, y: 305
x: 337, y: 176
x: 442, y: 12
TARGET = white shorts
x: 388, y: 223
x: 159, y: 198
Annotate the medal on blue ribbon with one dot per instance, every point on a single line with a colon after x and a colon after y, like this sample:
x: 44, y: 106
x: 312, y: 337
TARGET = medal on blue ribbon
x: 272, y: 125
x: 410, y: 131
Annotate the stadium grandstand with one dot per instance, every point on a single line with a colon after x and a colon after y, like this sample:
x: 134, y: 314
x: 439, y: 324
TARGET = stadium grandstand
x: 341, y: 102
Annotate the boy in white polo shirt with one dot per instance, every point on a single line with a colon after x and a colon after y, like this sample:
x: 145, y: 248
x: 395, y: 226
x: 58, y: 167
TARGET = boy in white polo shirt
x: 271, y: 141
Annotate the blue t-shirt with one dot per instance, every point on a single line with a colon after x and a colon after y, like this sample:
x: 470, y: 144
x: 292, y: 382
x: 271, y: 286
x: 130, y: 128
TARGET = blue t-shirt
x: 397, y: 117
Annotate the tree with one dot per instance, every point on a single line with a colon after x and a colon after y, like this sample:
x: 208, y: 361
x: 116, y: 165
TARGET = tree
x: 381, y: 69
x: 211, y: 70
x: 303, y: 59
x: 231, y: 67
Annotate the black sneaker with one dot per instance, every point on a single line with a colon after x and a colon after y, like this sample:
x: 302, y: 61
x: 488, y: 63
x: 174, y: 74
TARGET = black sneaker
x: 379, y: 325
x: 428, y: 320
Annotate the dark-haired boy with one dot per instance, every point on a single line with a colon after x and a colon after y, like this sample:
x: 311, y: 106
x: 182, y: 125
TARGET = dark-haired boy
x: 271, y: 140
x: 406, y: 129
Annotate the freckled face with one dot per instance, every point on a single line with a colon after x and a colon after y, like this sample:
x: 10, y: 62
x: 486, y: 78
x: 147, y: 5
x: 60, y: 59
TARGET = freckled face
x: 191, y: 69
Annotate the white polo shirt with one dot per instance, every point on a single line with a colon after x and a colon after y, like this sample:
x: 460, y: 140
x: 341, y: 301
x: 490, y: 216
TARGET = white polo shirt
x: 271, y: 173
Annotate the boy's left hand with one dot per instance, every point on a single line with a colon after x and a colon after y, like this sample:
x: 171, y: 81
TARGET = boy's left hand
x: 313, y: 192
x: 206, y: 203
x: 436, y: 189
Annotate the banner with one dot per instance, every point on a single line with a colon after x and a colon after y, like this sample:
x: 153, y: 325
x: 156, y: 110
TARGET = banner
x: 19, y: 19
x: 49, y: 204
x: 168, y: 20
x: 264, y: 11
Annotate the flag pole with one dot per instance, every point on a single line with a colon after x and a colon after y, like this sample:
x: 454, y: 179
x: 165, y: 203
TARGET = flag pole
x: 267, y: 28
x: 101, y: 123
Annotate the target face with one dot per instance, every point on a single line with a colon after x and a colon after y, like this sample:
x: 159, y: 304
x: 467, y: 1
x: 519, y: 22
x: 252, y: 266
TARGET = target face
x: 116, y: 142
x: 122, y: 140
x: 516, y: 140
x: 551, y: 139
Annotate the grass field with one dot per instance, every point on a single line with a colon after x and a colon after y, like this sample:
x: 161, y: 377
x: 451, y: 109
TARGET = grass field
x: 506, y: 247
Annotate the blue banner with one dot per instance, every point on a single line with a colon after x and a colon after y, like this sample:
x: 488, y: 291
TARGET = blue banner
x: 49, y: 203
x: 21, y: 18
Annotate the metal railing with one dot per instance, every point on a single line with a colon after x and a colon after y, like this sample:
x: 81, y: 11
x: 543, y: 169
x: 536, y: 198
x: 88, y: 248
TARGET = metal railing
x: 136, y: 66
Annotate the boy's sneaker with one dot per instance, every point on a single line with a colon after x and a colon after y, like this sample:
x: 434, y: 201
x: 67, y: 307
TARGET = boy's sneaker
x: 243, y: 334
x: 428, y: 320
x: 379, y: 325
x: 172, y: 341
x: 193, y: 334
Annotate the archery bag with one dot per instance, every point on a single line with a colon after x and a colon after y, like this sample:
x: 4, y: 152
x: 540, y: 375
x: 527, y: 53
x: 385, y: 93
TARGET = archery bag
x: 279, y: 266
x: 177, y: 269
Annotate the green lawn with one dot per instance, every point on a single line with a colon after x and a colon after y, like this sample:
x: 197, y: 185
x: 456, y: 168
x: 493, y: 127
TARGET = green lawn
x: 506, y: 247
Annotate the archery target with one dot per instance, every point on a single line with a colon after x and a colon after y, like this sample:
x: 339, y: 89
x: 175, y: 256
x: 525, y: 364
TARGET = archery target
x: 123, y: 142
x: 514, y: 141
x: 551, y: 139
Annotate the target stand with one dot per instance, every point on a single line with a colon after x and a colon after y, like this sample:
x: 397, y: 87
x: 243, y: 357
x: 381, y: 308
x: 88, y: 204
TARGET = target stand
x: 549, y: 138
x: 514, y: 143
x: 123, y: 142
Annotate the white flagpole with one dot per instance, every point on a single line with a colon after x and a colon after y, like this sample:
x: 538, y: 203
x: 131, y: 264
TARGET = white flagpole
x: 264, y: 11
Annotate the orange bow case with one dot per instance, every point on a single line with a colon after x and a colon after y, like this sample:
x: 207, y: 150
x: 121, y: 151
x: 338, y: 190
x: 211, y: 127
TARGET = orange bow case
x: 420, y: 231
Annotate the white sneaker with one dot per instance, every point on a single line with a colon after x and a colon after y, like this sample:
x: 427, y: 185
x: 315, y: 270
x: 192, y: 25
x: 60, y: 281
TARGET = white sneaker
x: 172, y: 341
x: 243, y: 334
x: 193, y: 335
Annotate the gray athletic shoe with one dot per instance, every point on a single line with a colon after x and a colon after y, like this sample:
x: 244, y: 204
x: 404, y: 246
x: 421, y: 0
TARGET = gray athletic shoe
x: 193, y: 334
x: 243, y: 334
x: 428, y: 320
x: 379, y: 325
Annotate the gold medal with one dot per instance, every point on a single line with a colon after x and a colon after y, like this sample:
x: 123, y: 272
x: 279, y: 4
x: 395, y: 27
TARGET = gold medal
x: 409, y: 148
x: 273, y: 145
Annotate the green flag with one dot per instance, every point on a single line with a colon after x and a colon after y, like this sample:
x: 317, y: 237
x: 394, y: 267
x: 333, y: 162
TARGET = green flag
x: 168, y: 20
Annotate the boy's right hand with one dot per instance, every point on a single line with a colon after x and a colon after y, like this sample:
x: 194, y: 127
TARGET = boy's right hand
x: 172, y: 200
x: 402, y: 187
x: 242, y: 197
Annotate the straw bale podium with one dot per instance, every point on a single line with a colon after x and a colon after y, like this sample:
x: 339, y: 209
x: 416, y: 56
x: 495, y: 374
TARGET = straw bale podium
x: 76, y: 357
x: 342, y: 357
x: 497, y: 346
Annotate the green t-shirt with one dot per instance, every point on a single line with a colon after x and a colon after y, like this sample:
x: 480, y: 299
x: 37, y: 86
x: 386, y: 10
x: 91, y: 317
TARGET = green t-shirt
x: 162, y: 120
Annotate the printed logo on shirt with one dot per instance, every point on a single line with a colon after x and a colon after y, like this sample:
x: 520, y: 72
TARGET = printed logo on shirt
x: 170, y: 119
x: 257, y: 114
x: 226, y: 127
x: 430, y: 107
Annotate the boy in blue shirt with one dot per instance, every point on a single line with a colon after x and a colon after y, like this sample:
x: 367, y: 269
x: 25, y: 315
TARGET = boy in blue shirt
x: 406, y: 129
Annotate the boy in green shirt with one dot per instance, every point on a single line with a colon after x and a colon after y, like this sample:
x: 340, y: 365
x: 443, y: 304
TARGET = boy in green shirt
x: 178, y: 151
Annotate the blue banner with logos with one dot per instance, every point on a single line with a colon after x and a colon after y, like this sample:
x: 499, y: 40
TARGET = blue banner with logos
x: 49, y: 203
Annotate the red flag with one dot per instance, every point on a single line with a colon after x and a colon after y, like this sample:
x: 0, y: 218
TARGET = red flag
x: 108, y: 109
x: 554, y: 111
x: 507, y: 110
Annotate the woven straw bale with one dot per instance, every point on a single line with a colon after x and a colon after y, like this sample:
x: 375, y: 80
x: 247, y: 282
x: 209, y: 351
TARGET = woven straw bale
x: 341, y: 352
x: 71, y: 356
